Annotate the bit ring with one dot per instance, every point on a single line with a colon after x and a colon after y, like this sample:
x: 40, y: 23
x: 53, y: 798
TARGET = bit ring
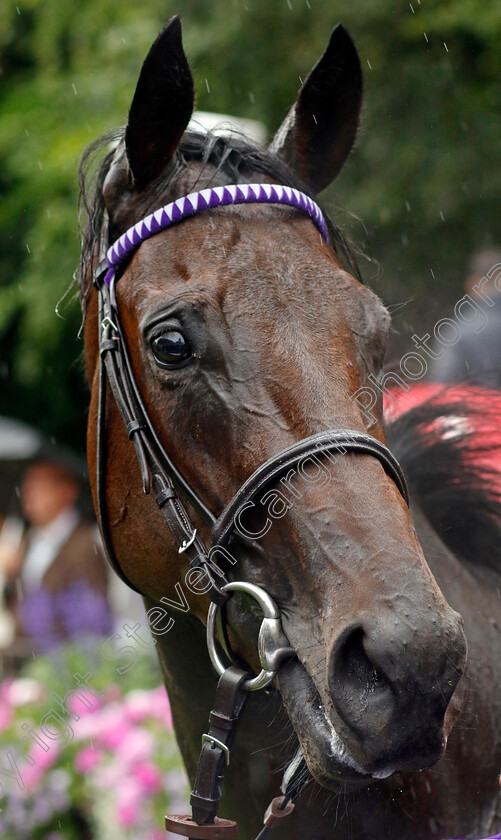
x: 273, y: 646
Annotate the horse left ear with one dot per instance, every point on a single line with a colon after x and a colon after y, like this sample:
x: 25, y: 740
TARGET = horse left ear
x: 319, y: 130
x: 161, y: 108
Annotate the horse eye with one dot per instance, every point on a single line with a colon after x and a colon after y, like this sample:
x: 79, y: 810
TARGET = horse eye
x: 170, y: 348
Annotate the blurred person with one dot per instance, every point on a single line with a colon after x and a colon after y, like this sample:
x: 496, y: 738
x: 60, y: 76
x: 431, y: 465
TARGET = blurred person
x: 475, y: 357
x: 11, y: 530
x: 57, y: 579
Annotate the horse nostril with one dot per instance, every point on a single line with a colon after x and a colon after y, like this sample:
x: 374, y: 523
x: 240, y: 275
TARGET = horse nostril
x: 359, y: 688
x: 390, y: 696
x: 357, y: 668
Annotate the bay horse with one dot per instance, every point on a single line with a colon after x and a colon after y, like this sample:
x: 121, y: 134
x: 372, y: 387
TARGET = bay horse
x: 230, y: 332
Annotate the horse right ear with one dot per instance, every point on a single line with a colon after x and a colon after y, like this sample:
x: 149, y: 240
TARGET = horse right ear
x: 161, y: 108
x: 319, y: 130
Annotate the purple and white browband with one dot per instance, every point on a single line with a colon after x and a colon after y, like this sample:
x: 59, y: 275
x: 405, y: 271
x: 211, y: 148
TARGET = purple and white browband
x: 208, y: 199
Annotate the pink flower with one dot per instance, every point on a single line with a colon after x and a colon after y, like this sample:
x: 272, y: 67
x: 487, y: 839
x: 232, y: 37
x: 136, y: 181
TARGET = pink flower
x: 99, y: 723
x: 129, y: 803
x: 128, y: 813
x: 88, y: 727
x: 110, y: 776
x: 32, y: 774
x: 148, y: 776
x: 46, y: 758
x: 137, y: 745
x: 95, y: 703
x: 116, y: 734
x: 160, y: 707
x: 138, y: 705
x: 87, y: 759
x: 5, y: 689
x: 25, y: 690
x: 5, y: 716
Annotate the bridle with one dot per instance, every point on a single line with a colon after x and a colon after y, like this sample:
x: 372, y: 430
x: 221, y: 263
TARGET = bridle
x: 161, y: 478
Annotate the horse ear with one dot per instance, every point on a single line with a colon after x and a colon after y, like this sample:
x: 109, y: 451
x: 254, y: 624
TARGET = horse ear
x: 319, y: 130
x: 161, y: 107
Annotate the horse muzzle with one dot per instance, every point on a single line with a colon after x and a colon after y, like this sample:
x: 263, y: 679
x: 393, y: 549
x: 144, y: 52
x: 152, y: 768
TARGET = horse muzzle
x: 385, y: 706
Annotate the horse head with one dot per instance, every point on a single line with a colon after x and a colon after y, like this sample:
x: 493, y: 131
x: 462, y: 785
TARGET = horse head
x: 246, y: 333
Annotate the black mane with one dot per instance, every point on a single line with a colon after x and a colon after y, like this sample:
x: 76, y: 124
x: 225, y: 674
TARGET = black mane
x: 231, y: 157
x: 459, y: 494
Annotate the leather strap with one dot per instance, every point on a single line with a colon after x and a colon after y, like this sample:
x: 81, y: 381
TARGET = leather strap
x: 334, y: 440
x: 296, y: 778
x: 183, y: 825
x: 157, y: 471
x: 101, y: 458
x: 229, y: 705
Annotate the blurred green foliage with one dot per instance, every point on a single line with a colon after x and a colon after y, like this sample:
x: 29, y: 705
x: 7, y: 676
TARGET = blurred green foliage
x: 424, y: 177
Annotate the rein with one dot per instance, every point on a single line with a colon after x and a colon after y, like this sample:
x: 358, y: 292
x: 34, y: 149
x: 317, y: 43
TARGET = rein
x: 161, y: 478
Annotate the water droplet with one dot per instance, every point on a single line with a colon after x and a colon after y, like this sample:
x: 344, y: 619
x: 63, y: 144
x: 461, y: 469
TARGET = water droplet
x: 207, y: 85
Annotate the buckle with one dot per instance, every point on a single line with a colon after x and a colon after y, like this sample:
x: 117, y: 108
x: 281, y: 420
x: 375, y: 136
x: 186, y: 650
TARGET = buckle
x: 210, y: 739
x: 108, y: 322
x: 186, y: 543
